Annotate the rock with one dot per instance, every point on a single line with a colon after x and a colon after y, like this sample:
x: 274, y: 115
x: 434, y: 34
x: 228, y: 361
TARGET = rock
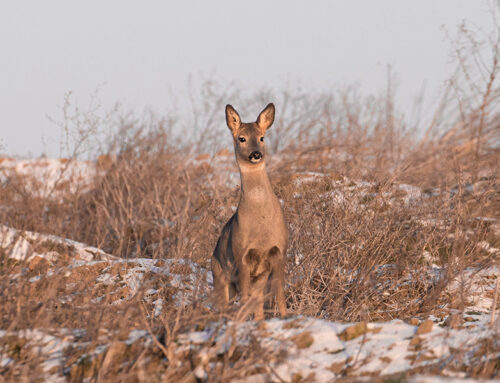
x: 425, y: 327
x: 295, y: 323
x: 415, y: 341
x: 38, y: 264
x: 337, y: 367
x: 298, y: 378
x: 353, y: 331
x: 303, y: 340
x: 454, y: 321
x: 262, y: 326
x: 414, y: 321
x: 385, y: 359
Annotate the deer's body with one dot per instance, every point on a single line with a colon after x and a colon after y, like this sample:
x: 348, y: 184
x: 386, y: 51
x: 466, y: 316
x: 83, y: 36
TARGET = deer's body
x: 250, y: 253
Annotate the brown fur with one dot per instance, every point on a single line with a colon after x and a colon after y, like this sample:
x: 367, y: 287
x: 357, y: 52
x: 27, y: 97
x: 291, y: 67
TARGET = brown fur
x: 251, y: 250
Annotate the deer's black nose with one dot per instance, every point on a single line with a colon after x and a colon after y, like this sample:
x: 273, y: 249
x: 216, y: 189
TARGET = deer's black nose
x: 255, y: 155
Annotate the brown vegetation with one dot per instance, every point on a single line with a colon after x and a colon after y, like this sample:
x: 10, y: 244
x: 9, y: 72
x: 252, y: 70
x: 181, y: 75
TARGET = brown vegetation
x: 361, y: 245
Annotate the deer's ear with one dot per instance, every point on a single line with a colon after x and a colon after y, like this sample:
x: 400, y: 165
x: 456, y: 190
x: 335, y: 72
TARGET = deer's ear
x: 233, y: 120
x: 266, y: 117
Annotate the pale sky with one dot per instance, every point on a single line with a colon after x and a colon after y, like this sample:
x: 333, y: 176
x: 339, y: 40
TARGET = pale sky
x: 137, y: 52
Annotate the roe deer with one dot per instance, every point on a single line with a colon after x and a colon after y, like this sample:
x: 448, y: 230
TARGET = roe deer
x: 251, y: 250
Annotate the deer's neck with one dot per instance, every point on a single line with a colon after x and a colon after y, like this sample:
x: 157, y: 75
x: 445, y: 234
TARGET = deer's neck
x: 255, y: 186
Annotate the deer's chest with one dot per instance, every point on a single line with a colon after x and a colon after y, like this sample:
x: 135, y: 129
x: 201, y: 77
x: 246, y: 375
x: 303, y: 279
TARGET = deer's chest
x: 261, y: 226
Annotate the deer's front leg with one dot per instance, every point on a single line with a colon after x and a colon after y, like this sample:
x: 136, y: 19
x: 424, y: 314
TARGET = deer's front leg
x: 278, y: 280
x: 279, y: 288
x: 249, y: 262
x: 258, y: 294
x: 244, y: 279
x: 221, y: 285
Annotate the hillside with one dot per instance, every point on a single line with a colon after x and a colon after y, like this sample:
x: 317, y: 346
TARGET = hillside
x: 390, y: 281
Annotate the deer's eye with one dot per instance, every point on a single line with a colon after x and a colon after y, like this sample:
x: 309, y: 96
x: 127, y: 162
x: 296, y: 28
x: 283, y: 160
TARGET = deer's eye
x: 262, y: 139
x: 242, y: 139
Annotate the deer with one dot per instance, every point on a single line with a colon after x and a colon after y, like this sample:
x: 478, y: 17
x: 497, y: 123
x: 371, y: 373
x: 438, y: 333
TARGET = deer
x: 249, y: 258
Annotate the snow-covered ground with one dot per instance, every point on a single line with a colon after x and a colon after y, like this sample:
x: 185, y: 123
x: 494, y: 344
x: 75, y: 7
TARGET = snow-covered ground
x: 326, y: 350
x: 308, y: 348
x: 48, y: 177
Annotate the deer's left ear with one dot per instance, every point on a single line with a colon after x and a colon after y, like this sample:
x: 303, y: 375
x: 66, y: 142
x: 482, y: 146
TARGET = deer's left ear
x: 266, y: 117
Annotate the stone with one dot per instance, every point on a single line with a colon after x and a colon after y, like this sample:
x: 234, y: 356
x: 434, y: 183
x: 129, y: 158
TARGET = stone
x: 38, y: 264
x: 353, y: 331
x: 303, y: 340
x: 414, y: 321
x: 425, y: 327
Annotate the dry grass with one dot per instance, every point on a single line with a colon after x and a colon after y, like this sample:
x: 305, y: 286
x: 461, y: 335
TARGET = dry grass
x: 360, y: 244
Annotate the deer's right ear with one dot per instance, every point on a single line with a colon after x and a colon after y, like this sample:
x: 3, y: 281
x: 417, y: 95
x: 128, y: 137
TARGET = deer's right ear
x: 233, y: 120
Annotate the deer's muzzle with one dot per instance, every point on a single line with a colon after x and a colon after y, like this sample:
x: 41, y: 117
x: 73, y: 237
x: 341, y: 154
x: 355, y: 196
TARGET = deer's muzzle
x: 255, y: 157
